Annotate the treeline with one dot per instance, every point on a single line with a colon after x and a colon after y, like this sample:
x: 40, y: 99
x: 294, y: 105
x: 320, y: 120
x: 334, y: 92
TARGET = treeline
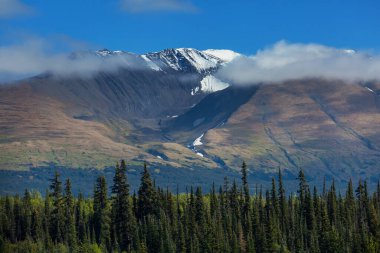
x: 228, y: 219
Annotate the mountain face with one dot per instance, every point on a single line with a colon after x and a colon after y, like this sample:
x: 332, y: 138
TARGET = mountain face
x: 92, y: 120
x: 168, y: 108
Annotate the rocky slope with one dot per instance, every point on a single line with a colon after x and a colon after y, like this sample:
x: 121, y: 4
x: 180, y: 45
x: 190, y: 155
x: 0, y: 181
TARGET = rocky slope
x: 329, y: 128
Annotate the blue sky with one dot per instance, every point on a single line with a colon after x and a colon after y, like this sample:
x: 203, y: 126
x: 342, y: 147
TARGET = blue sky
x: 243, y: 26
x: 279, y: 39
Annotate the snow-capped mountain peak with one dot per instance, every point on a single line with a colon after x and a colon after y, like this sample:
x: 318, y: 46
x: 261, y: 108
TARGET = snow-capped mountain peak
x: 189, y: 60
x: 179, y: 59
x: 184, y: 59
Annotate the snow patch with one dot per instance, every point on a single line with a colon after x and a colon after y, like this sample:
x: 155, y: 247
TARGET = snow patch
x: 159, y: 157
x: 212, y: 84
x: 370, y: 89
x: 198, y: 141
x: 194, y: 91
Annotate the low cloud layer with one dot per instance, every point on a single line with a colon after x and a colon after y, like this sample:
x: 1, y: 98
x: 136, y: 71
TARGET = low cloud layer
x: 37, y: 55
x: 138, y: 6
x: 284, y: 61
x: 281, y: 62
x: 12, y: 8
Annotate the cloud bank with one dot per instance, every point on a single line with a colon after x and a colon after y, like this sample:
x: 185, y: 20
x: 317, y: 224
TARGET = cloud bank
x: 138, y: 6
x: 280, y: 62
x: 36, y: 55
x: 12, y: 8
x: 284, y: 61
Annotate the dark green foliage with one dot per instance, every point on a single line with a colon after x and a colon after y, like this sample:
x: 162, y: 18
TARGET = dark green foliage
x: 123, y: 220
x: 57, y: 217
x: 69, y: 226
x: 147, y: 196
x: 155, y: 220
x: 101, y: 218
x: 26, y: 219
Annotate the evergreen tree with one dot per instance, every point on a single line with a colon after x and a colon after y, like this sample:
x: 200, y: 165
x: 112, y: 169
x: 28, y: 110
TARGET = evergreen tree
x: 123, y: 220
x: 199, y: 207
x: 47, y: 219
x: 69, y: 208
x: 27, y: 216
x: 332, y: 204
x: 302, y: 187
x: 244, y: 179
x: 282, y: 206
x: 101, y: 214
x: 80, y: 220
x: 147, y: 196
x: 57, y: 221
x: 180, y: 238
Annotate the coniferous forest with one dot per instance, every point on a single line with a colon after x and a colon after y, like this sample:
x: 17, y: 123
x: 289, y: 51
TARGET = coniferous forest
x: 227, y: 219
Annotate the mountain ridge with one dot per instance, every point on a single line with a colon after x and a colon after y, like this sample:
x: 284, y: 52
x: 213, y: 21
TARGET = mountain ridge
x: 172, y: 117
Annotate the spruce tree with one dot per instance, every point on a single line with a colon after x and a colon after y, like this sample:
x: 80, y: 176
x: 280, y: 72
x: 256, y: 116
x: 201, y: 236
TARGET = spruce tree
x: 146, y: 195
x: 282, y: 206
x: 27, y: 216
x: 101, y: 214
x: 69, y: 208
x: 47, y: 219
x: 199, y: 207
x: 181, y: 243
x: 244, y: 179
x: 124, y: 220
x: 332, y: 204
x: 274, y: 198
x: 302, y: 187
x: 80, y: 220
x: 57, y: 213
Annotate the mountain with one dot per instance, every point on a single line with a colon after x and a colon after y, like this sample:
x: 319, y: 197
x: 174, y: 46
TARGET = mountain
x: 92, y: 120
x: 329, y: 128
x: 168, y: 108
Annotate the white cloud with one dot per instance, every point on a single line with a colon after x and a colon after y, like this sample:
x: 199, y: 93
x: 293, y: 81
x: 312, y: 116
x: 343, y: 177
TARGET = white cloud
x: 138, y: 6
x: 38, y: 55
x: 281, y: 62
x: 12, y: 8
x: 284, y: 61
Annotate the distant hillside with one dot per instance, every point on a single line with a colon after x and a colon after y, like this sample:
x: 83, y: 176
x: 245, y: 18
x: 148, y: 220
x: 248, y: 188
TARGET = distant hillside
x: 173, y: 112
